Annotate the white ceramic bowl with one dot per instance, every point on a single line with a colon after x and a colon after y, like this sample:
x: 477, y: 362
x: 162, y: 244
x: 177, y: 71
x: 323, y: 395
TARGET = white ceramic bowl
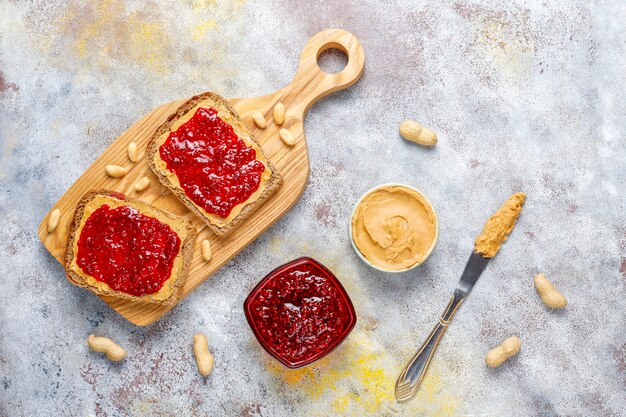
x: 429, y: 206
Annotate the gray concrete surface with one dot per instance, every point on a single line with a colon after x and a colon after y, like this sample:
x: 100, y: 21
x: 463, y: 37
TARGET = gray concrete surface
x: 525, y: 96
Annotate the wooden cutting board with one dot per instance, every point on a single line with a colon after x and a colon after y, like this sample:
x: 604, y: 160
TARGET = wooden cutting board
x: 309, y: 85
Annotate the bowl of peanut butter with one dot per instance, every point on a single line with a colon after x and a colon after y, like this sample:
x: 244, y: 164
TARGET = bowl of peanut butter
x: 393, y: 228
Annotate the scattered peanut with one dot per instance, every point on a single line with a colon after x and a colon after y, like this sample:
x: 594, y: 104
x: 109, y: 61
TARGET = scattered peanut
x: 287, y: 137
x: 115, y: 171
x: 142, y: 184
x: 204, y: 358
x: 279, y: 113
x: 132, y: 151
x: 53, y: 220
x: 498, y: 355
x: 550, y: 296
x: 206, y: 250
x: 259, y: 119
x: 112, y: 350
x: 417, y: 133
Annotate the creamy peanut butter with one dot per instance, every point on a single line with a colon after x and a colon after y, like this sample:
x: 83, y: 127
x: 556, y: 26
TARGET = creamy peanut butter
x: 499, y: 226
x: 394, y: 227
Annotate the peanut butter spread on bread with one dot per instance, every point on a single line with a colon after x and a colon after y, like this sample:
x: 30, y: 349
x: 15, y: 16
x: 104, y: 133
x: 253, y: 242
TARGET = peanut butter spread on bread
x: 499, y: 226
x: 394, y: 227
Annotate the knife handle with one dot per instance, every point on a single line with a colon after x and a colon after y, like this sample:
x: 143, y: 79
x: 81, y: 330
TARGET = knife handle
x: 411, y: 378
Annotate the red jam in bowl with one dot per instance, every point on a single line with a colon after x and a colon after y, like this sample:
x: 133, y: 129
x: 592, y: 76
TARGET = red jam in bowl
x: 130, y: 252
x: 300, y: 312
x: 214, y: 166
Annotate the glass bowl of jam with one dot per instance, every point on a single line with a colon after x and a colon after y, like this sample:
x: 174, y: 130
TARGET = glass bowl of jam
x: 300, y: 312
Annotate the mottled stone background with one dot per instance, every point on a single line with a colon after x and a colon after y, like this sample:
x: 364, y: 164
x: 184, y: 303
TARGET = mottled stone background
x: 525, y: 96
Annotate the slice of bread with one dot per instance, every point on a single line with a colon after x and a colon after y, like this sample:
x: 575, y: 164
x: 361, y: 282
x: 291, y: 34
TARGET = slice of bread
x: 270, y: 179
x: 169, y: 293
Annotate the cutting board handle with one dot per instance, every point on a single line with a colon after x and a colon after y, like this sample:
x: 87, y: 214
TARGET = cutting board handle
x: 311, y: 82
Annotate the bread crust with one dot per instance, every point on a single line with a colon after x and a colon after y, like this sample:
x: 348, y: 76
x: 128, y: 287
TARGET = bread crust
x: 271, y: 185
x: 186, y: 250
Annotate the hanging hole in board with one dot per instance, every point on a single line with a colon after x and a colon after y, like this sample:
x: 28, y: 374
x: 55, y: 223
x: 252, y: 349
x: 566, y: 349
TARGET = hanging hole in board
x: 332, y: 60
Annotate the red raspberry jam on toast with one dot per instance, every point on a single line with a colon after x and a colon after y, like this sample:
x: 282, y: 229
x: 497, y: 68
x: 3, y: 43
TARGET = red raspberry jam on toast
x: 130, y: 252
x: 215, y: 168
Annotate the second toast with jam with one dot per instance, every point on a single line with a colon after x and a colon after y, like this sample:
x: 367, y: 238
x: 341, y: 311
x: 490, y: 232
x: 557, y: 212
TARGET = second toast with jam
x: 206, y: 155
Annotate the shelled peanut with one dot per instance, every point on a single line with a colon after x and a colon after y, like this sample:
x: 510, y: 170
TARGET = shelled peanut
x: 133, y: 153
x: 53, y: 220
x: 279, y: 114
x: 205, y: 247
x: 115, y: 171
x: 287, y: 137
x: 142, y: 184
x: 259, y: 119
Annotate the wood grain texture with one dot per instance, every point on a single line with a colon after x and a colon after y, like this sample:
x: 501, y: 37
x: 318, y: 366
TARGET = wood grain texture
x: 308, y: 86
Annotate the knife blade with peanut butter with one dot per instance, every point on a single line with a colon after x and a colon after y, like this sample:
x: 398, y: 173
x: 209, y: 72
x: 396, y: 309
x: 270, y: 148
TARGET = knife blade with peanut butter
x: 487, y: 244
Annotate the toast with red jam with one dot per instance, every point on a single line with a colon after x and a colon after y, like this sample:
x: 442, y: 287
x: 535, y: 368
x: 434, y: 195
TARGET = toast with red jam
x: 206, y: 155
x: 126, y: 248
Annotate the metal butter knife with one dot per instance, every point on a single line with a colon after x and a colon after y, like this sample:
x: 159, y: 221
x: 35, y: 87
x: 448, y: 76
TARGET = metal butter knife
x: 413, y: 375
